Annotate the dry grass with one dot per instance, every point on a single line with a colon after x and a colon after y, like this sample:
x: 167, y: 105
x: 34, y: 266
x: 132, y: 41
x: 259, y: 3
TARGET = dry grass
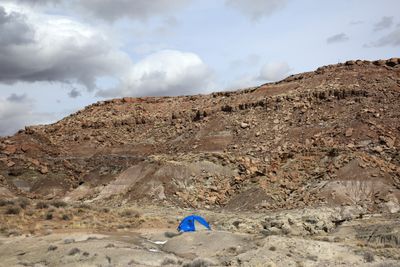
x: 59, y: 204
x: 13, y: 210
x: 42, y: 205
x: 130, y: 213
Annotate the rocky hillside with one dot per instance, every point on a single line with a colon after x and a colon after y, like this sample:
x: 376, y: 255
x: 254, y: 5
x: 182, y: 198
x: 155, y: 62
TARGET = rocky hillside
x: 328, y: 137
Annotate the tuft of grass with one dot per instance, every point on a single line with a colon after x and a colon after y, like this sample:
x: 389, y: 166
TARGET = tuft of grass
x: 42, y: 205
x: 59, y: 204
x: 6, y: 202
x: 49, y: 216
x: 168, y: 261
x: 13, y: 210
x: 83, y: 206
x: 198, y: 263
x: 66, y: 217
x: 23, y: 202
x: 368, y: 256
x: 74, y: 251
x: 130, y: 213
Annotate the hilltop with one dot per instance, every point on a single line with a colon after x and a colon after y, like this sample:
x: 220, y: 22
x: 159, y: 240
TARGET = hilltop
x: 324, y: 137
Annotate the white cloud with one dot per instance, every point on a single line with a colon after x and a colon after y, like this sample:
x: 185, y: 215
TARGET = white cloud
x: 52, y: 48
x: 274, y: 71
x: 384, y: 23
x: 391, y: 39
x: 337, y: 38
x: 74, y: 93
x: 256, y: 9
x: 167, y: 72
x: 137, y: 9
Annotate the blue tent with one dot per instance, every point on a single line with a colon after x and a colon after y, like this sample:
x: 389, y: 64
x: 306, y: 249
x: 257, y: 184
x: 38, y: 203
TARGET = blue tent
x: 187, y: 224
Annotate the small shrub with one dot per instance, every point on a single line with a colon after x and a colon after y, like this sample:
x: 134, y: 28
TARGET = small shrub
x: 29, y: 212
x: 66, y: 217
x: 6, y: 202
x: 272, y: 248
x: 23, y: 202
x: 83, y: 206
x: 59, y: 203
x: 129, y: 213
x: 168, y: 261
x: 42, y: 205
x: 74, y: 251
x: 52, y: 248
x: 49, y: 216
x: 105, y: 210
x: 13, y: 210
x: 369, y: 256
x: 199, y: 263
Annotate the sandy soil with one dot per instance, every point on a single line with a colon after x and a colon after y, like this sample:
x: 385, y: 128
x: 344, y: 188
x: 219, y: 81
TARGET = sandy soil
x: 286, y: 238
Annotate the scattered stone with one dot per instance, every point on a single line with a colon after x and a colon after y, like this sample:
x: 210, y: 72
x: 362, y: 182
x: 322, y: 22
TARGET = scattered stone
x: 349, y: 132
x: 69, y: 241
x: 244, y: 125
x: 74, y: 251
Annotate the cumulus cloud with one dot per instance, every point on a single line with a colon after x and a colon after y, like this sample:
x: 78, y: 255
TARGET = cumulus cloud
x: 337, y: 38
x: 36, y: 47
x: 384, y: 23
x: 256, y: 9
x: 14, y: 29
x: 36, y: 2
x: 113, y: 10
x: 356, y: 22
x: 167, y: 72
x: 274, y: 71
x: 74, y: 93
x: 391, y: 39
x: 17, y: 111
x: 17, y: 98
x: 138, y: 9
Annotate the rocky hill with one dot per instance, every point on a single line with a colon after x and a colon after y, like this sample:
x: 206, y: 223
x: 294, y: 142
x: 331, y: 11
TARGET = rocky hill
x: 329, y: 137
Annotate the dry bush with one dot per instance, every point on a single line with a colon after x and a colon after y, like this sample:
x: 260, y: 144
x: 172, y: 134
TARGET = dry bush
x: 6, y: 202
x: 42, y: 205
x: 13, y: 210
x: 49, y: 216
x: 130, y: 213
x: 83, y: 206
x: 199, y: 263
x: 369, y: 256
x: 168, y: 261
x: 66, y: 217
x: 59, y: 204
x: 23, y: 202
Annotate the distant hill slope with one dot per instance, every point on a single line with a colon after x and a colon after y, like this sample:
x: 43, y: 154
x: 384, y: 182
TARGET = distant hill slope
x: 328, y: 137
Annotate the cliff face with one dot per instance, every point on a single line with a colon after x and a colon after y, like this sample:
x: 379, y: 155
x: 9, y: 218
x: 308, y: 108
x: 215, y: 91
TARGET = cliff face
x: 327, y: 137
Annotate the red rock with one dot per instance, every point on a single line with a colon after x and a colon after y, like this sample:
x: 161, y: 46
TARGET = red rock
x: 349, y: 132
x: 10, y: 164
x: 44, y: 170
x: 10, y: 149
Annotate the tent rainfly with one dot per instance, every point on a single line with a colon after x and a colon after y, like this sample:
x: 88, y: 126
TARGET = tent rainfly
x: 188, y: 223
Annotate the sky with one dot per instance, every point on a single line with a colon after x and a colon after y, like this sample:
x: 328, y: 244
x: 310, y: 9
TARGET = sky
x: 57, y: 56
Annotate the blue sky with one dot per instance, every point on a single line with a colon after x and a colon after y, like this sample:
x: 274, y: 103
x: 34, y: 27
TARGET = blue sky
x: 58, y: 56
